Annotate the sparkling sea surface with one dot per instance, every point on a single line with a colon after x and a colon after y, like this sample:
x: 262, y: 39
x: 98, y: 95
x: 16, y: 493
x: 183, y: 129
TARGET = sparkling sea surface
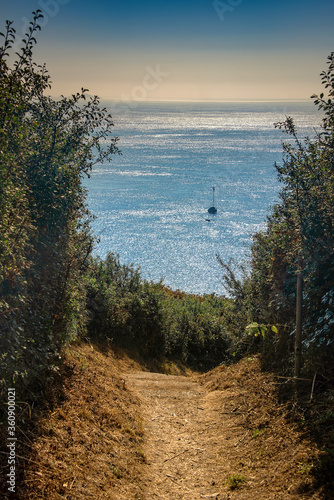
x: 151, y: 203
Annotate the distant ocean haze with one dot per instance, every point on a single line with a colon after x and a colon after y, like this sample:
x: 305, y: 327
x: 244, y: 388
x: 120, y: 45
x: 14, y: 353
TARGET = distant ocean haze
x: 151, y: 203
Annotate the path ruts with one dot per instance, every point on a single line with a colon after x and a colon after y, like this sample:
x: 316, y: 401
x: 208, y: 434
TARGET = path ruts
x: 181, y: 441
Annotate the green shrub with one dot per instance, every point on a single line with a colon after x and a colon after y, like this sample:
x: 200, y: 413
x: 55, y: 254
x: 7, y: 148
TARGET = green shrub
x: 46, y: 147
x: 195, y: 328
x: 153, y: 319
x: 123, y: 307
x: 299, y: 230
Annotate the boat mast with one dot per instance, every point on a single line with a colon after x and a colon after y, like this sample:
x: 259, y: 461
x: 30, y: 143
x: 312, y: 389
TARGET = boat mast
x: 213, y: 210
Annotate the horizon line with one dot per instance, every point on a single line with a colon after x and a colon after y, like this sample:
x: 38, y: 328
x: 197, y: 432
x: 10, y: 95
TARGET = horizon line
x: 143, y: 101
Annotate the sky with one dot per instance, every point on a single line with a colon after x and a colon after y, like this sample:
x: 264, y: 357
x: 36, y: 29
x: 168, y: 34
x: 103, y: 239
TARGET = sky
x: 181, y: 50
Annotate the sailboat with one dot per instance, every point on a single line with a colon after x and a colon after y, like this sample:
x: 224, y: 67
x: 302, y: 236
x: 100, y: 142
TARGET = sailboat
x: 213, y: 210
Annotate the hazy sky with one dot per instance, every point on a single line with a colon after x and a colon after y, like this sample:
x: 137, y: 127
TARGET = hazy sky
x: 190, y: 49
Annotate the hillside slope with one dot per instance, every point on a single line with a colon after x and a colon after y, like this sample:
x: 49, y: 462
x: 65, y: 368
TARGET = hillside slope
x: 222, y: 435
x: 112, y: 430
x: 85, y: 440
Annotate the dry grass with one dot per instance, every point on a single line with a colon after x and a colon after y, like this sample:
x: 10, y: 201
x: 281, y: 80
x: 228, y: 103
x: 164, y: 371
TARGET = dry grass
x: 84, y: 438
x: 88, y: 444
x: 282, y: 447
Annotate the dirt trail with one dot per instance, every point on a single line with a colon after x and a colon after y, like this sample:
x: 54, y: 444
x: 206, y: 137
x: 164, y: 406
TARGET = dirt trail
x: 222, y: 437
x: 182, y: 441
x: 115, y: 432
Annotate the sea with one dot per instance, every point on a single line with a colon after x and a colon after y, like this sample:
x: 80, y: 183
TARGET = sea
x: 151, y: 203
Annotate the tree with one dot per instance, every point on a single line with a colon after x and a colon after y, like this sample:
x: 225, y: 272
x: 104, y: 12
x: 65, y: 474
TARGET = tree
x: 46, y: 147
x: 301, y: 226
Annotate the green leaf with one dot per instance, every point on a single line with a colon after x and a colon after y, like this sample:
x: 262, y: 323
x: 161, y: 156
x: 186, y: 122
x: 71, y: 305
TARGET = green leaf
x: 251, y: 326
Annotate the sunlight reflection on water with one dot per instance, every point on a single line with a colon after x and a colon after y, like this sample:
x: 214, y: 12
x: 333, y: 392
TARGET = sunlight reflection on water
x: 151, y: 202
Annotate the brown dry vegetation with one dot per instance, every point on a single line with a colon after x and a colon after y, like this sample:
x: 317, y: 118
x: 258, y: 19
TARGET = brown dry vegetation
x: 274, y: 445
x: 111, y: 430
x: 85, y: 441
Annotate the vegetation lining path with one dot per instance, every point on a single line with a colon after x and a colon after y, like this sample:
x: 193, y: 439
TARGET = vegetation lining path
x: 111, y: 431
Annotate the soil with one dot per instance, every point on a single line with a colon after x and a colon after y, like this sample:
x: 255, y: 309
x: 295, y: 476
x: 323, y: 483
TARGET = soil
x: 209, y: 437
x: 111, y: 430
x: 181, y: 437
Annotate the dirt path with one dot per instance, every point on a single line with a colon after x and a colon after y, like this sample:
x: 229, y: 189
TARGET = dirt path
x: 182, y: 441
x: 223, y: 435
x: 225, y: 438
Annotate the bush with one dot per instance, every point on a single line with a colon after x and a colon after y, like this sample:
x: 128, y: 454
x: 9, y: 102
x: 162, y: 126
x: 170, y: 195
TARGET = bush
x: 123, y: 307
x: 299, y: 229
x: 152, y: 319
x: 196, y: 328
x: 46, y: 148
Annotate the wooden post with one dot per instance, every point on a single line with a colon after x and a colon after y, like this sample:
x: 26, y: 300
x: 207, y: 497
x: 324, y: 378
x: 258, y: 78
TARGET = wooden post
x: 299, y: 304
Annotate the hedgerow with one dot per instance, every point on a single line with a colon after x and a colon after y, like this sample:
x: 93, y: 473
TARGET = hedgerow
x: 46, y: 147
